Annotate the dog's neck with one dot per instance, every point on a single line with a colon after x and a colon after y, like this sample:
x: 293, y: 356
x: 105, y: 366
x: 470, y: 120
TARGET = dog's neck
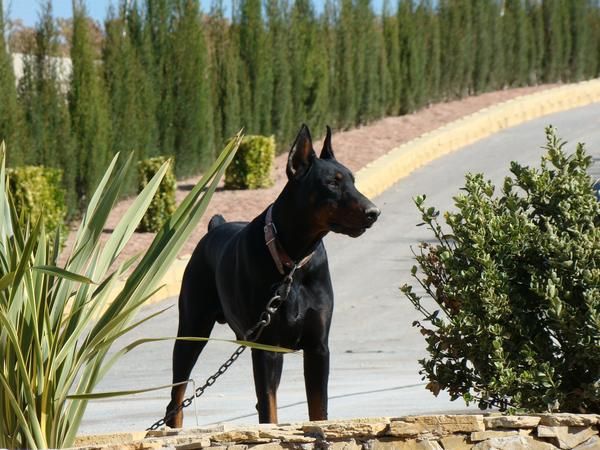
x: 295, y: 226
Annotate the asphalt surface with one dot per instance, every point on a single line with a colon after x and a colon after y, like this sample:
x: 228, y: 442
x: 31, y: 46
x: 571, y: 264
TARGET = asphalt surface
x: 374, y: 348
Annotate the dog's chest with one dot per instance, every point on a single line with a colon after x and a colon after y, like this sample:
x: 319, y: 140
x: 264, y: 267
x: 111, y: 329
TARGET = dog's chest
x: 290, y: 321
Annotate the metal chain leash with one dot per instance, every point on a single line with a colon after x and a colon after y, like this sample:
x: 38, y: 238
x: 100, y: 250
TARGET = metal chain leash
x: 252, y: 335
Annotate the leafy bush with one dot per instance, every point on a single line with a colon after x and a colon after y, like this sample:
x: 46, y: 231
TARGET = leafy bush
x: 163, y: 203
x: 251, y: 167
x: 37, y: 191
x: 517, y: 281
x: 58, y: 323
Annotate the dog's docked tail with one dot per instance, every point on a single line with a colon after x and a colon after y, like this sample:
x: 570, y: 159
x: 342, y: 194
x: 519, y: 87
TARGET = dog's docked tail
x: 215, y: 221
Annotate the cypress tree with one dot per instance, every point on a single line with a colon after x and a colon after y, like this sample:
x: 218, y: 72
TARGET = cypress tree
x: 580, y: 38
x: 300, y: 47
x: 458, y: 56
x: 243, y: 82
x: 225, y: 55
x: 265, y: 83
x: 392, y: 48
x: 411, y: 23
x: 385, y: 93
x: 310, y: 66
x: 536, y: 46
x: 46, y: 116
x: 406, y: 33
x: 449, y: 27
x: 498, y: 70
x: 553, y: 40
x: 567, y: 47
x: 253, y: 56
x: 593, y: 60
x: 128, y: 85
x: 88, y: 108
x: 281, y: 106
x: 418, y: 74
x: 516, y: 42
x: 192, y: 113
x: 482, y: 19
x: 140, y: 39
x: 345, y: 94
x: 329, y: 38
x: 158, y: 29
x: 368, y: 62
x: 433, y: 69
x: 317, y: 95
x: 10, y: 115
x: 468, y: 47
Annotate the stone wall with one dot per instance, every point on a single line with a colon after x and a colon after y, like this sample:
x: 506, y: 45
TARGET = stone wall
x: 442, y: 432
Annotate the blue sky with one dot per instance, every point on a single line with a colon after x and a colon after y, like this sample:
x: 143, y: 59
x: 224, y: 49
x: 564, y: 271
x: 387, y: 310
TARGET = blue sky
x: 27, y: 10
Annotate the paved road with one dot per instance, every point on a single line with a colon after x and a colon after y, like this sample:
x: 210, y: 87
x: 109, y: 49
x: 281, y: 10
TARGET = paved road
x: 374, y: 348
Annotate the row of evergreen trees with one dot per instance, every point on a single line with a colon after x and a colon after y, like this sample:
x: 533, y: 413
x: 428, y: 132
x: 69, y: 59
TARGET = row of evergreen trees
x: 171, y: 80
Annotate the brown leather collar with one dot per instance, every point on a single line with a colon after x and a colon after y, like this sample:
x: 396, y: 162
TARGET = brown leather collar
x: 279, y: 255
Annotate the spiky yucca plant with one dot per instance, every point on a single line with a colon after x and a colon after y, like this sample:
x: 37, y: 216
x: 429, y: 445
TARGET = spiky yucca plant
x: 57, y: 322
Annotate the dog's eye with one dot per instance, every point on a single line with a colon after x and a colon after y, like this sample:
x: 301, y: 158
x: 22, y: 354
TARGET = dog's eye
x: 333, y: 184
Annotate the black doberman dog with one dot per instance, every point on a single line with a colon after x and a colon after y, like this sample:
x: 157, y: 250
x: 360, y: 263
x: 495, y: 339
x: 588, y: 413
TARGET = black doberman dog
x: 232, y: 275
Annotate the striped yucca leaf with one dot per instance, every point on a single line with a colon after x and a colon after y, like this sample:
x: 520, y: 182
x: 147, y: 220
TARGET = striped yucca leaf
x: 57, y: 324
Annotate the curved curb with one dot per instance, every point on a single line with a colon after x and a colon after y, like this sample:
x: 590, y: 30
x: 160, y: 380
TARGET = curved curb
x: 379, y: 175
x: 382, y: 173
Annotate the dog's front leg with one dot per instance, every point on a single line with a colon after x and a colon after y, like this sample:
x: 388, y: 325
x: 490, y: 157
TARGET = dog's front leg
x: 316, y: 377
x: 267, y: 367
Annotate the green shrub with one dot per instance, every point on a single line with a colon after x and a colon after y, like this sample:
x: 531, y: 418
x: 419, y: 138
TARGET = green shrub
x: 37, y: 191
x: 251, y: 167
x: 163, y: 203
x: 517, y: 281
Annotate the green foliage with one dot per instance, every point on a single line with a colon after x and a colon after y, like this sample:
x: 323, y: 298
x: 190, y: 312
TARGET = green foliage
x: 433, y: 53
x: 254, y: 56
x: 483, y: 16
x: 516, y: 42
x: 367, y: 65
x: 282, y: 109
x: 129, y: 88
x: 516, y: 280
x: 168, y: 79
x: 251, y: 167
x: 458, y: 56
x: 88, y: 107
x: 411, y: 22
x: 10, y: 113
x: 225, y: 90
x: 37, y: 192
x: 536, y: 47
x: 344, y: 79
x: 46, y: 116
x: 162, y: 205
x: 157, y: 30
x: 554, y: 40
x: 192, y: 121
x: 59, y: 322
x: 392, y: 50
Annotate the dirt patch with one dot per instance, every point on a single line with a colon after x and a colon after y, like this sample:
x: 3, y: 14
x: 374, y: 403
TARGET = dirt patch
x: 354, y: 148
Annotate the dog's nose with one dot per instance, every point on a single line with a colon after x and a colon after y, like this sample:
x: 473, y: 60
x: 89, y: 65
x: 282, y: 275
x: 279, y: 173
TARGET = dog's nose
x: 372, y: 213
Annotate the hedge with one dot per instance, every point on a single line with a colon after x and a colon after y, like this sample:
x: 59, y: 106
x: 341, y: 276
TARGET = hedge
x: 36, y: 191
x: 251, y: 167
x: 163, y: 203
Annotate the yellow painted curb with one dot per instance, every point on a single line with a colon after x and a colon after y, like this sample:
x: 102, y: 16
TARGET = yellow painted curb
x: 382, y: 173
x: 170, y: 282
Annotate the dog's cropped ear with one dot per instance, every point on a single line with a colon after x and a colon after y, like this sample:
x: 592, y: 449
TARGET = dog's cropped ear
x: 327, y: 152
x: 301, y: 154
